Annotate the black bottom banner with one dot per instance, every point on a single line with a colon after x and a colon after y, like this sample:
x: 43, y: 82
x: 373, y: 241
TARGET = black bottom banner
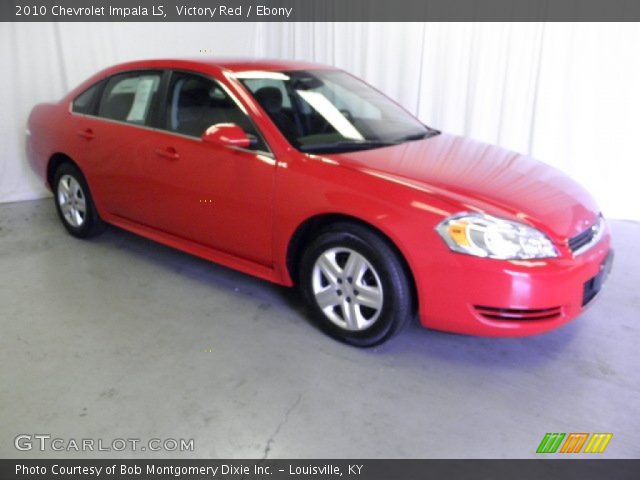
x: 321, y: 469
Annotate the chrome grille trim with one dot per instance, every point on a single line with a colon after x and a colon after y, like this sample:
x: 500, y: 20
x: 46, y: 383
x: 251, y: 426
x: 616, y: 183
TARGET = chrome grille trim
x: 586, y: 240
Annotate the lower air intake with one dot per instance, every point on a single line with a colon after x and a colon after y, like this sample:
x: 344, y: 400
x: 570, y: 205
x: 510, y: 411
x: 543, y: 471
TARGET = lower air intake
x: 518, y: 314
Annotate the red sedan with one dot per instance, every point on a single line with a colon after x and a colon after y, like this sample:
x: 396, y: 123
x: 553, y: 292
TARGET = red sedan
x: 304, y: 175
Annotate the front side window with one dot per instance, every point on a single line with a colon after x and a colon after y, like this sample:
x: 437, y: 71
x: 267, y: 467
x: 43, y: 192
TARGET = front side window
x: 195, y: 103
x: 324, y: 111
x: 129, y: 97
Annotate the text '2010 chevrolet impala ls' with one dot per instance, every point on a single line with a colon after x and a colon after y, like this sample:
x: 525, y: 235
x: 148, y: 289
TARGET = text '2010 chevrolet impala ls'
x: 304, y: 175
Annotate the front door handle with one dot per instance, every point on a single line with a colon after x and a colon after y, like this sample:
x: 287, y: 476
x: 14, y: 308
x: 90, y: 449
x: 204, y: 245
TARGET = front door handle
x: 168, y: 152
x: 87, y: 134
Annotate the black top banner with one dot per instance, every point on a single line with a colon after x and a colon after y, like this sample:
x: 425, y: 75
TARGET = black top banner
x: 321, y: 469
x: 317, y: 10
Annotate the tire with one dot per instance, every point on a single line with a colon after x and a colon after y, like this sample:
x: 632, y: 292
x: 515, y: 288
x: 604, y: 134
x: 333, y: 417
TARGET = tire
x: 74, y: 203
x: 355, y: 285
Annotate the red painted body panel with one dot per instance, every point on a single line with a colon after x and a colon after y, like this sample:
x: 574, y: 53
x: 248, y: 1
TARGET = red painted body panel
x: 241, y: 208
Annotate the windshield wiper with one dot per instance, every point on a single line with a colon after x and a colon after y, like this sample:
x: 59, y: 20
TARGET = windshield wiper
x: 347, y: 145
x: 344, y: 146
x: 418, y: 136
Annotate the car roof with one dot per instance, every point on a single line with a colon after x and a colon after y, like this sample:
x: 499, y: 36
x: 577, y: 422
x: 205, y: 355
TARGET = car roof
x: 226, y: 64
x: 240, y: 65
x: 205, y: 65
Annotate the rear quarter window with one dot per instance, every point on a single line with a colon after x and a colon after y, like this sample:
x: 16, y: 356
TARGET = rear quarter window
x: 85, y: 103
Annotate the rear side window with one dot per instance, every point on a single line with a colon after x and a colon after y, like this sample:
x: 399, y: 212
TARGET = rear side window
x: 85, y: 102
x: 129, y: 97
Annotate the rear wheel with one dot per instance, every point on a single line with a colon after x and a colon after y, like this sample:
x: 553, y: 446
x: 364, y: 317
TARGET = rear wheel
x: 74, y: 202
x: 355, y: 285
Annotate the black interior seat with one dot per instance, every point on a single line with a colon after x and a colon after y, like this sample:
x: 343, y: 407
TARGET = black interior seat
x: 270, y: 98
x: 199, y: 108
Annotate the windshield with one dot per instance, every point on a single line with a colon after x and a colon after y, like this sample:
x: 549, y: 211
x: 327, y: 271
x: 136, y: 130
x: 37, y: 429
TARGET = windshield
x: 322, y: 111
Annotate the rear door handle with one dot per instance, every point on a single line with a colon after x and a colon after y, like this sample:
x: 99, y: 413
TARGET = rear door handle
x: 87, y: 134
x: 168, y: 152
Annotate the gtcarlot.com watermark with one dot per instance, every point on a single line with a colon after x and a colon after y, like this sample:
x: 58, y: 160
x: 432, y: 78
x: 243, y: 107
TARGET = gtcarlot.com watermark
x: 45, y: 442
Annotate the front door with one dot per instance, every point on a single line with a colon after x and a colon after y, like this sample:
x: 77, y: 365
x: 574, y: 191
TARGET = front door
x: 216, y: 196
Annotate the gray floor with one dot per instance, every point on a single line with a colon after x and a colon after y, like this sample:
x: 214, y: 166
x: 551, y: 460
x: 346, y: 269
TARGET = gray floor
x: 119, y: 337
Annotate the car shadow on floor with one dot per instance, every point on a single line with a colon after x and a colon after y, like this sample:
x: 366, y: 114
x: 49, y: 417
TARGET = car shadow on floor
x: 414, y: 342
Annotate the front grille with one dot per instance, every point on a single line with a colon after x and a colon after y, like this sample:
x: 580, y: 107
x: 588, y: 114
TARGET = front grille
x: 511, y: 314
x: 590, y: 236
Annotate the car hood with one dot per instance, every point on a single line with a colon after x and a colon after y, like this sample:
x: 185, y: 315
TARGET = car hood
x: 478, y: 176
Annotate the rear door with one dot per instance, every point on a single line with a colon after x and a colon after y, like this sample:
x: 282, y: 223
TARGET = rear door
x: 117, y: 143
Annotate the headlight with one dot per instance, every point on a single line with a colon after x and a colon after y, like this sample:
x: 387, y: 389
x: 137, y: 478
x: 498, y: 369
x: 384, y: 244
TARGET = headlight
x: 487, y: 236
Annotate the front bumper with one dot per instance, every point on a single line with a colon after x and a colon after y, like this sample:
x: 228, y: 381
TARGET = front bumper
x: 477, y: 296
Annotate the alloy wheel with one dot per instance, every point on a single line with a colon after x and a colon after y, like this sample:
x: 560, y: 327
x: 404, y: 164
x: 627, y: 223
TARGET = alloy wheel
x: 347, y: 288
x: 72, y: 201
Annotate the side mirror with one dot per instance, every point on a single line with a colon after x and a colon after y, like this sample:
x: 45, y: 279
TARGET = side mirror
x: 226, y: 135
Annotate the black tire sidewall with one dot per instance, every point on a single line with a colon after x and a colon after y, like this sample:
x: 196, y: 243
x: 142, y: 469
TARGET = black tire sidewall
x: 92, y: 223
x: 397, y: 303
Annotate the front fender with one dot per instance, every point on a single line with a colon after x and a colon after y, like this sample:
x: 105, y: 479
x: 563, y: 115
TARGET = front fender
x: 309, y: 187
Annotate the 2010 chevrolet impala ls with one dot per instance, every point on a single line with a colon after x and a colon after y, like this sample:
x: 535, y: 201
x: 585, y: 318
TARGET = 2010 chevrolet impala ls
x: 304, y: 175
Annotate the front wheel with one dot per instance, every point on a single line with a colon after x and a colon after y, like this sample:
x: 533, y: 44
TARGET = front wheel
x: 355, y: 285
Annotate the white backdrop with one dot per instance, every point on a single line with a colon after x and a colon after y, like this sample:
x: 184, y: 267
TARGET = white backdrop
x: 567, y: 93
x: 41, y: 62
